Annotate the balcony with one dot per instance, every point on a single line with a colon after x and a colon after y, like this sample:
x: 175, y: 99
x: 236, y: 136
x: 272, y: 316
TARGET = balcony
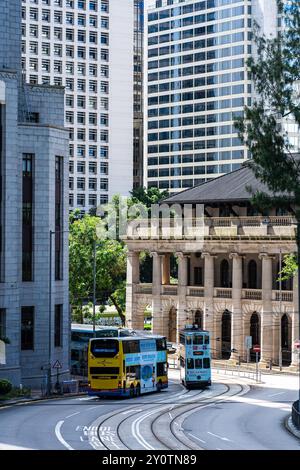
x: 144, y: 289
x: 252, y: 294
x: 195, y: 291
x: 169, y: 290
x: 284, y: 296
x: 222, y: 293
x: 227, y: 227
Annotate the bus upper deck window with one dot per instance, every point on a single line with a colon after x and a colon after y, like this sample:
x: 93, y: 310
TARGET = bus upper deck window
x: 198, y: 339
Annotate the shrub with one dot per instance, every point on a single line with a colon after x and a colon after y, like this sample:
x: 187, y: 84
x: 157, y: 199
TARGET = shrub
x: 5, y: 386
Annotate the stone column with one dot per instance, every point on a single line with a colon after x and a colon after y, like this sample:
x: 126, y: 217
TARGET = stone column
x: 132, y: 281
x: 208, y: 314
x: 276, y: 328
x: 182, y: 292
x: 295, y: 325
x: 166, y: 270
x: 267, y: 315
x: 157, y: 320
x: 237, y: 342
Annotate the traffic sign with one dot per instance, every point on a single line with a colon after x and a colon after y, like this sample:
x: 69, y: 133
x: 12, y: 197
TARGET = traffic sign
x: 297, y: 344
x: 256, y: 348
x: 57, y: 365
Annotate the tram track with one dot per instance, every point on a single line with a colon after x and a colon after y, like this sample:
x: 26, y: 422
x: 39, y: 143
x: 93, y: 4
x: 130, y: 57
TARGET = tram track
x: 160, y: 423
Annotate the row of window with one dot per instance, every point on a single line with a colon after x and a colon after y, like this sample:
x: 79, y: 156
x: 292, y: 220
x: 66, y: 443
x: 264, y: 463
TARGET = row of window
x: 80, y: 4
x: 197, y: 107
x: 92, y: 151
x: 195, y: 120
x: 81, y: 69
x: 190, y: 133
x: 69, y: 51
x: 189, y: 170
x: 92, y: 167
x: 196, y: 70
x: 197, y: 145
x: 185, y: 9
x: 177, y: 184
x: 194, y: 158
x: 83, y: 119
x: 92, y: 200
x: 198, y: 95
x: 92, y: 135
x: 92, y: 184
x: 198, y: 19
x: 81, y: 20
x: 196, y: 82
x: 70, y: 35
x: 28, y: 327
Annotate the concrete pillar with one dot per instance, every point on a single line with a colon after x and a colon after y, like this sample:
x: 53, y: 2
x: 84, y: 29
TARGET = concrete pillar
x: 182, y: 292
x: 132, y: 281
x: 267, y: 315
x: 237, y: 342
x: 157, y: 320
x: 166, y: 270
x: 208, y: 314
x: 295, y: 325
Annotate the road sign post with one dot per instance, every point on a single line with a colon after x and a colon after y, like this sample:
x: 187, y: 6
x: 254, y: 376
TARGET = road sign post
x: 256, y: 349
x: 57, y: 365
x: 248, y: 344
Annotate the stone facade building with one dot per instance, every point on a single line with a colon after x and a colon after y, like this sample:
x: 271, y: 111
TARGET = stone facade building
x: 34, y: 201
x: 227, y: 276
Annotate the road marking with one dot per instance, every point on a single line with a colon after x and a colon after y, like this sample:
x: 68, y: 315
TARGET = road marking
x: 74, y: 414
x: 93, y: 408
x: 170, y: 415
x: 219, y: 437
x: 195, y: 437
x: 276, y: 394
x: 59, y: 436
x: 85, y: 398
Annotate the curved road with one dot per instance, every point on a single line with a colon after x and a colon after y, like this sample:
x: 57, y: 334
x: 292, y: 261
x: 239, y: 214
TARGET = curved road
x: 229, y: 415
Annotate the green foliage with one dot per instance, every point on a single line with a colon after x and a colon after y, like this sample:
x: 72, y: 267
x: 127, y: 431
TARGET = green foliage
x: 5, y: 386
x: 148, y: 196
x: 110, y: 265
x: 290, y: 267
x: 275, y: 73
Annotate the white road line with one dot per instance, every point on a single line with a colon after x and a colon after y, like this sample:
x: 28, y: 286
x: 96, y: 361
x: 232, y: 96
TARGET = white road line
x: 74, y: 414
x: 219, y: 437
x: 93, y: 407
x: 85, y: 398
x: 195, y: 437
x: 59, y: 436
x: 170, y: 415
x: 276, y: 394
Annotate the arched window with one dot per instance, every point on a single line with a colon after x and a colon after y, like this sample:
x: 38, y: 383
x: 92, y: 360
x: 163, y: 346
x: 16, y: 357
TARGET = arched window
x: 252, y: 274
x: 285, y: 332
x: 226, y: 335
x: 224, y: 273
x: 199, y: 319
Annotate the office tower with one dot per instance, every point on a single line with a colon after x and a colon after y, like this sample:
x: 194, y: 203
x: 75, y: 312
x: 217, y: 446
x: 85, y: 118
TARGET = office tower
x: 138, y: 147
x: 196, y: 84
x: 34, y: 201
x: 87, y: 47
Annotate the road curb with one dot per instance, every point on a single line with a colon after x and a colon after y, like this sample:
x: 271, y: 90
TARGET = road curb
x: 291, y: 427
x: 26, y: 401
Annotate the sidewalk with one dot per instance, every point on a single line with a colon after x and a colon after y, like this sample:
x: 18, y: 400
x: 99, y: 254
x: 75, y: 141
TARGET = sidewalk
x: 38, y: 396
x: 251, y: 367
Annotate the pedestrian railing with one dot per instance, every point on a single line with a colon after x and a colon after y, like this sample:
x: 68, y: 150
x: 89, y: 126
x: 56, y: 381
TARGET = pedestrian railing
x: 238, y: 371
x: 296, y: 414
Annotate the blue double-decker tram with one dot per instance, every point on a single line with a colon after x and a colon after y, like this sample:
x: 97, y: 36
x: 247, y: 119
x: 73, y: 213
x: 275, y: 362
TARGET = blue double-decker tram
x: 195, y: 357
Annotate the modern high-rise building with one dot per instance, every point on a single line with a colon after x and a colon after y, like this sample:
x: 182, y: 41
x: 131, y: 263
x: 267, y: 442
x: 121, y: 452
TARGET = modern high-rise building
x: 87, y: 47
x: 196, y: 84
x: 138, y: 100
x: 34, y: 279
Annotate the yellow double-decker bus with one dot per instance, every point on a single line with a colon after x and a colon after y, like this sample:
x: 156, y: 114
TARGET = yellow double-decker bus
x: 127, y: 366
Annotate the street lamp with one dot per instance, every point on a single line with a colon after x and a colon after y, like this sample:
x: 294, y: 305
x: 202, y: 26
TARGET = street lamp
x: 51, y: 233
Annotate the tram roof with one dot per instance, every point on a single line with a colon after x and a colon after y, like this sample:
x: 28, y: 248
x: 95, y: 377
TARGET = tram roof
x: 193, y: 330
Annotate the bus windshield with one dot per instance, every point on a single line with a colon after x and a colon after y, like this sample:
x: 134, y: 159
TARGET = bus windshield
x: 105, y: 347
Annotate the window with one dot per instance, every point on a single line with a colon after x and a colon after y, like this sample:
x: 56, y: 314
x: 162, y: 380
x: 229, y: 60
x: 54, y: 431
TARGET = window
x: 2, y: 323
x: 206, y: 363
x: 190, y: 363
x: 27, y: 217
x: 27, y: 328
x: 58, y: 316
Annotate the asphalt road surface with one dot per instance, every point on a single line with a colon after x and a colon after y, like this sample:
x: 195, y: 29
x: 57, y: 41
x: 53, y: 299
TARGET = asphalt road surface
x: 229, y: 415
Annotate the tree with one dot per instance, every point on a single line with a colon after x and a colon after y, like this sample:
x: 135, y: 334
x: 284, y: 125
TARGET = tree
x: 110, y: 266
x: 276, y: 78
x: 149, y: 196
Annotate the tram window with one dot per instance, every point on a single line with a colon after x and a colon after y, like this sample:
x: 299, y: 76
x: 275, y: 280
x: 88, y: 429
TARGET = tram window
x: 206, y: 363
x: 182, y: 339
x: 161, y: 344
x: 188, y: 340
x: 181, y: 361
x: 190, y: 363
x: 198, y: 364
x: 198, y: 339
x: 206, y: 339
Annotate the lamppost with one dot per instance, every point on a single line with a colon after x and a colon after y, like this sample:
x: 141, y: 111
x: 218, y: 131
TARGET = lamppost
x: 280, y: 310
x: 51, y: 233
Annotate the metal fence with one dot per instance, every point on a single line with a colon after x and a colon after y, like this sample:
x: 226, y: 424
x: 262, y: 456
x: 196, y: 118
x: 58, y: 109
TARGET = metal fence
x: 296, y: 414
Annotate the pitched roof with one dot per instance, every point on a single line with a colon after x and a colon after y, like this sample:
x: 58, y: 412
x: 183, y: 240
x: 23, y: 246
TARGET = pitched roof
x: 227, y: 188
